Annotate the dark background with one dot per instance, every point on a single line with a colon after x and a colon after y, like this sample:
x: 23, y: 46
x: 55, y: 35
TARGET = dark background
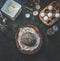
x: 50, y: 50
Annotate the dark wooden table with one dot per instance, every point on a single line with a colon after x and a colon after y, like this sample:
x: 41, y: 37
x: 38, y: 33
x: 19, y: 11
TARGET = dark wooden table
x: 50, y: 50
